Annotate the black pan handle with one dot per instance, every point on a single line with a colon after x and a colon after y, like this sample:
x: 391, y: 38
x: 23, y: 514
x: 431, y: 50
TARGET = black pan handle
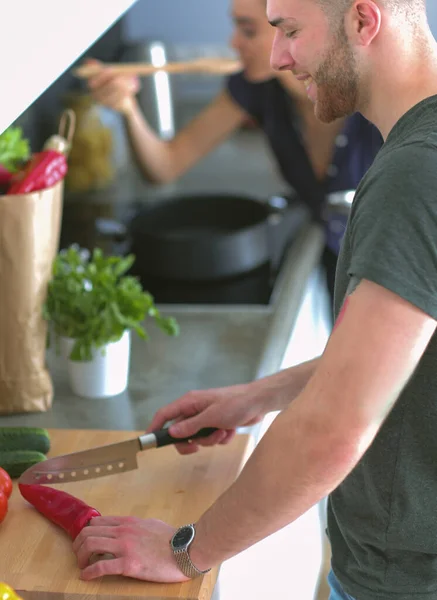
x: 277, y: 204
x: 111, y: 229
x: 163, y: 438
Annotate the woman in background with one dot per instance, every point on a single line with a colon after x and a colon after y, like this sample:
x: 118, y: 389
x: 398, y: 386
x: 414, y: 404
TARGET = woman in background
x: 315, y: 159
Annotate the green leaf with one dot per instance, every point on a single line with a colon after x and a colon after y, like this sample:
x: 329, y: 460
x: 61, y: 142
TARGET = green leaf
x: 14, y: 149
x: 124, y: 265
x: 90, y: 300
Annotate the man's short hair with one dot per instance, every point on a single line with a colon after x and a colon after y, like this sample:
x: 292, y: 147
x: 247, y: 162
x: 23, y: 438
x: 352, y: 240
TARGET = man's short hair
x: 409, y: 9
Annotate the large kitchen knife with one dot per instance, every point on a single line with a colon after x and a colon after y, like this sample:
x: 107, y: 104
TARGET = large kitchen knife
x: 101, y: 461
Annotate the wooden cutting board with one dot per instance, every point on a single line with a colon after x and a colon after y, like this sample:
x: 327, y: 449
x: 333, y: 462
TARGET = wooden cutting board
x: 36, y: 557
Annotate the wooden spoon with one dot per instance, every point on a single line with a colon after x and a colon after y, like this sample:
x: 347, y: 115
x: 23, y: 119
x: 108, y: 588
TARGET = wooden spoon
x: 209, y: 66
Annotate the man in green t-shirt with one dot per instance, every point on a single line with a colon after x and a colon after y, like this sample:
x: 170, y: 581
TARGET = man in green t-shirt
x: 359, y: 423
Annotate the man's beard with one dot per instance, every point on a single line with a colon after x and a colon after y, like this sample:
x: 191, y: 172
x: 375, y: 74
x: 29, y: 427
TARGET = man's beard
x: 337, y: 82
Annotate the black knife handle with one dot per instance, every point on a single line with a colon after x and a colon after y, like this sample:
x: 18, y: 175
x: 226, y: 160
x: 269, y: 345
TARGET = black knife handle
x: 163, y: 438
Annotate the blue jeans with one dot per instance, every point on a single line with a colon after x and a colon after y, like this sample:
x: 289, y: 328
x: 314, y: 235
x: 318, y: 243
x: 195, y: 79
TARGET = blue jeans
x: 337, y: 592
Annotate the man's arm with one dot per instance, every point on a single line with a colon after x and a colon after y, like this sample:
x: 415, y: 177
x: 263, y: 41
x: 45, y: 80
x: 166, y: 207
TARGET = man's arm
x: 231, y: 407
x: 313, y: 444
x: 282, y: 388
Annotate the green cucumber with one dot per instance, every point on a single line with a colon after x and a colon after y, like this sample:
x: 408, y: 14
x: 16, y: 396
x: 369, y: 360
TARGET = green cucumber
x: 15, y: 462
x: 24, y: 438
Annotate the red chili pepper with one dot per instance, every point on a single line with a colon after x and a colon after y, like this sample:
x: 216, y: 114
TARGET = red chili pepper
x: 61, y: 508
x: 42, y: 171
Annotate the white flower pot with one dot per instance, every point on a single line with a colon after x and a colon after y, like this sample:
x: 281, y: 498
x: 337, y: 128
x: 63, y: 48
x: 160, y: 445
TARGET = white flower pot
x: 65, y: 346
x: 105, y: 375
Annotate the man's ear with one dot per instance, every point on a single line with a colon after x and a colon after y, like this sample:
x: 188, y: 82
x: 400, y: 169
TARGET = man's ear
x: 363, y: 22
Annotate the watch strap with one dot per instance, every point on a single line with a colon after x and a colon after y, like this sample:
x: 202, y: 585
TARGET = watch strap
x: 184, y: 561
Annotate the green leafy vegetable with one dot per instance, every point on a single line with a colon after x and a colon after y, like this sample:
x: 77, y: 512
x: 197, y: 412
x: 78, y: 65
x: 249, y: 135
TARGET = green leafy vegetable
x: 91, y: 300
x: 14, y: 149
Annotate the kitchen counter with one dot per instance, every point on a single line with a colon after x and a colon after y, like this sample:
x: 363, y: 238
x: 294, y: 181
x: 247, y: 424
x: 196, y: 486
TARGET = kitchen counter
x: 217, y: 346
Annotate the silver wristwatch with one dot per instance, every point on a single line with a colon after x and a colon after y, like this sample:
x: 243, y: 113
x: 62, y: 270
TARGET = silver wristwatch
x: 180, y: 543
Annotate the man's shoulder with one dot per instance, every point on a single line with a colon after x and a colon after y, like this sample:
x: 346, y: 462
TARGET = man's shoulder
x: 402, y: 179
x: 410, y: 162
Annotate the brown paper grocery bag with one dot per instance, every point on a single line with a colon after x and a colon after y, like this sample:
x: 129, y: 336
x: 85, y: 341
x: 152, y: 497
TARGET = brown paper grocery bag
x: 30, y: 227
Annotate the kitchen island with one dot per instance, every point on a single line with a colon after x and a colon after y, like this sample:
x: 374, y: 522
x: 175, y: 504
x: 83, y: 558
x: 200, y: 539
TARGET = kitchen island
x: 218, y: 345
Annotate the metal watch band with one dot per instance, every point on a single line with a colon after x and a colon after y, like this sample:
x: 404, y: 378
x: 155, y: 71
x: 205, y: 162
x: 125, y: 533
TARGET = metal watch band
x: 183, y: 559
x: 186, y: 566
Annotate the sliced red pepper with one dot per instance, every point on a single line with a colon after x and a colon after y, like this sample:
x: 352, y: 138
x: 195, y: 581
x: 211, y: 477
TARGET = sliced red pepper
x: 61, y: 508
x: 42, y: 171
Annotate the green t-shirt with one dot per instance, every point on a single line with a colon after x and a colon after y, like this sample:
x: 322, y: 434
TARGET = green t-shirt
x: 382, y: 520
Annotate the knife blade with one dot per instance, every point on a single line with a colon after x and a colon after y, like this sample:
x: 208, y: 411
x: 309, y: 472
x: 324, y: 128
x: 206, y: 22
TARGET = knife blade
x: 103, y: 460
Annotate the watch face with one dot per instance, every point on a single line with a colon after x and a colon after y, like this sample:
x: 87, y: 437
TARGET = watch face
x: 183, y: 537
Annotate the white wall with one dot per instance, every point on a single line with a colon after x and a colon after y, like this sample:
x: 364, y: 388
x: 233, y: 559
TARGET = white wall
x: 41, y: 43
x: 180, y: 21
x: 432, y: 15
x: 195, y: 21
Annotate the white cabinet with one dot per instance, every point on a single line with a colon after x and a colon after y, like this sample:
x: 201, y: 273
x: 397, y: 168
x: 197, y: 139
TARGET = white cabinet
x: 40, y: 40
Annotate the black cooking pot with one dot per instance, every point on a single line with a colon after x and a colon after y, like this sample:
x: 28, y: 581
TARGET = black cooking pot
x: 202, y: 238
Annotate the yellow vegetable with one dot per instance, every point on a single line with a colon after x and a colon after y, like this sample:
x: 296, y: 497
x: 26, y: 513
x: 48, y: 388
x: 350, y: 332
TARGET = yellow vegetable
x: 90, y: 161
x: 7, y: 593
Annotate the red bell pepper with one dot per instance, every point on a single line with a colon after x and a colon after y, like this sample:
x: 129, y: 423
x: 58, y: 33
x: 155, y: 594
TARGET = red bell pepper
x: 61, y: 508
x: 42, y: 171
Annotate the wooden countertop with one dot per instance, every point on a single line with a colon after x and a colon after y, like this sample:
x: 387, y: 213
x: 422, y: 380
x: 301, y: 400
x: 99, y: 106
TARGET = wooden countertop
x: 38, y: 560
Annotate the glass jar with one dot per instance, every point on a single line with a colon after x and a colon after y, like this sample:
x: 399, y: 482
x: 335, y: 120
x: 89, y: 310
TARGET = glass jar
x: 90, y: 161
